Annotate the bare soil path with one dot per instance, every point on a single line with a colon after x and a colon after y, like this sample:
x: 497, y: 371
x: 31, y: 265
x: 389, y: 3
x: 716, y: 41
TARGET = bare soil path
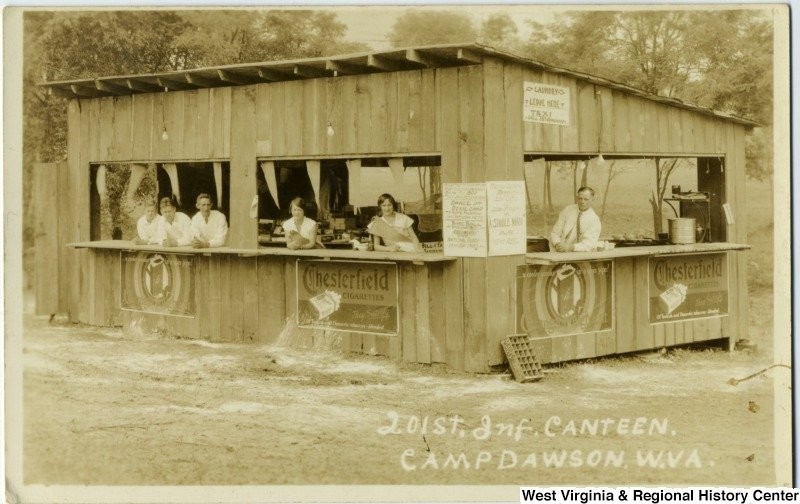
x: 106, y: 407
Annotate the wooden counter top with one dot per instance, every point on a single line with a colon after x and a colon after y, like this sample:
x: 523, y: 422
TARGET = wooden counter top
x: 415, y: 257
x: 655, y: 250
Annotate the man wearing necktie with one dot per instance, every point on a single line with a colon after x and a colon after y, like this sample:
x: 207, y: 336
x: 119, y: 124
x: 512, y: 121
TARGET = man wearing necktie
x: 578, y: 226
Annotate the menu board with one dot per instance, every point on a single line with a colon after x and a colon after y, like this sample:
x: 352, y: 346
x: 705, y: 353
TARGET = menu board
x: 464, y: 219
x: 506, y: 216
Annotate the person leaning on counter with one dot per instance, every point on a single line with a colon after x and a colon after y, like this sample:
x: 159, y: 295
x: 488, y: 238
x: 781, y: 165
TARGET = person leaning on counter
x: 209, y: 227
x: 147, y: 226
x: 578, y: 226
x: 392, y: 231
x: 301, y: 232
x: 174, y: 228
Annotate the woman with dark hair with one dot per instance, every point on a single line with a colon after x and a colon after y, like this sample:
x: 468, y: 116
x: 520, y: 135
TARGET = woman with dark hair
x: 392, y: 231
x: 301, y: 232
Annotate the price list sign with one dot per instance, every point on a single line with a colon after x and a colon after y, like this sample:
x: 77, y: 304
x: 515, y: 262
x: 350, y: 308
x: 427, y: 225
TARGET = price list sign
x: 464, y: 219
x: 506, y: 212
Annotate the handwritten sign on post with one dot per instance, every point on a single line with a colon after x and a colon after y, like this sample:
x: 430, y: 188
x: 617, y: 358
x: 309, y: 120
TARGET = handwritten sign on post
x: 464, y: 219
x: 506, y: 215
x: 545, y: 103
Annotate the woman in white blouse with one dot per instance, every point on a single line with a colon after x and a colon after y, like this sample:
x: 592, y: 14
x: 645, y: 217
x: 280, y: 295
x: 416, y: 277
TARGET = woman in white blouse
x: 301, y: 232
x: 392, y: 231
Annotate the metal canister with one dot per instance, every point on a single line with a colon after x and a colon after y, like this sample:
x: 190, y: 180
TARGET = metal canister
x: 682, y: 230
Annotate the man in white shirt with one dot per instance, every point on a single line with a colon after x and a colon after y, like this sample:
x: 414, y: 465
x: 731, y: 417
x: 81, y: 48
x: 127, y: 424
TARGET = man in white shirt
x: 174, y: 228
x: 578, y: 226
x: 147, y: 226
x: 209, y: 227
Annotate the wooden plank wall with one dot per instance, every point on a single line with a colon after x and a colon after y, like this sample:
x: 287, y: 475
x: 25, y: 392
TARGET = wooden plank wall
x: 503, y: 160
x: 243, y: 231
x: 631, y: 331
x: 375, y: 113
x: 470, y: 115
x: 263, y: 314
x: 609, y: 121
x: 48, y: 244
x: 453, y: 280
x: 472, y: 163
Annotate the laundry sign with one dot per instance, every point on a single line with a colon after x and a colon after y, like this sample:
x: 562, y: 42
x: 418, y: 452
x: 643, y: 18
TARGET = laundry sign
x: 545, y: 103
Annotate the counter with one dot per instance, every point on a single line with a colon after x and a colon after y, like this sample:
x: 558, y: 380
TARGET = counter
x: 574, y: 305
x: 229, y: 294
x: 654, y: 250
x: 413, y: 257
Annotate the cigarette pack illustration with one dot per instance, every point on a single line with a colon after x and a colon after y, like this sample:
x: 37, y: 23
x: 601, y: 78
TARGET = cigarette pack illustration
x: 326, y: 303
x: 673, y: 297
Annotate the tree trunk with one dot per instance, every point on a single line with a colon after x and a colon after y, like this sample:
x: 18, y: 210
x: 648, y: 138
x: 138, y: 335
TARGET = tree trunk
x: 605, y: 192
x: 656, y: 217
x: 574, y: 181
x: 547, y: 205
x: 585, y: 175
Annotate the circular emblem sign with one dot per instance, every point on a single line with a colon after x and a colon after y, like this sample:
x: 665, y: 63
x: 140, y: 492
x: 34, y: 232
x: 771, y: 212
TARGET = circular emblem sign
x: 561, y: 299
x: 158, y: 283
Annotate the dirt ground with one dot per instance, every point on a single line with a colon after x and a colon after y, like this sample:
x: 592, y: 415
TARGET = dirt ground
x: 110, y: 407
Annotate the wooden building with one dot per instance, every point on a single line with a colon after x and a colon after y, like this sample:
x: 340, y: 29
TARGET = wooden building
x: 458, y: 105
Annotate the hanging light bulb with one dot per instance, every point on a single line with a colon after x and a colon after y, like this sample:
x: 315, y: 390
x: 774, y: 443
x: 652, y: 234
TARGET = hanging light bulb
x: 329, y: 131
x: 600, y: 159
x: 164, y: 135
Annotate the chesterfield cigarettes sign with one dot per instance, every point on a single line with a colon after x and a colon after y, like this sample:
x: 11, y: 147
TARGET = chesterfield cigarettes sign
x: 348, y: 296
x: 688, y: 287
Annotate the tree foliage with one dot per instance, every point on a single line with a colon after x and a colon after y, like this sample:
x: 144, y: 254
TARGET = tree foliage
x: 500, y: 31
x: 430, y: 27
x: 720, y: 59
x: 65, y: 45
x: 74, y: 45
x: 235, y: 36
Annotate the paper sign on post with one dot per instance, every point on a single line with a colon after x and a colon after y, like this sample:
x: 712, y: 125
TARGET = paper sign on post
x: 506, y: 216
x: 464, y: 219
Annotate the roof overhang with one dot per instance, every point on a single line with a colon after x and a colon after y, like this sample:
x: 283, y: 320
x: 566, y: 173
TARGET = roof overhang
x: 409, y: 58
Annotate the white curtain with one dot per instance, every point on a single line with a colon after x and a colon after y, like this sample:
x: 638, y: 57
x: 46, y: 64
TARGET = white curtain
x: 254, y: 207
x: 138, y: 172
x: 396, y: 167
x: 354, y: 176
x: 100, y: 182
x: 313, y: 169
x: 172, y: 172
x: 218, y: 182
x: 268, y: 169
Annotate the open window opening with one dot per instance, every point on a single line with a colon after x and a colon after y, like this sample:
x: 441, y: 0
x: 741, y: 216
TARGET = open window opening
x: 341, y: 195
x: 121, y: 192
x: 635, y: 197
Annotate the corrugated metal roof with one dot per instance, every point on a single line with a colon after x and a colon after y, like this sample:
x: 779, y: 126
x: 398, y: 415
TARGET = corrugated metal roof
x: 409, y: 58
